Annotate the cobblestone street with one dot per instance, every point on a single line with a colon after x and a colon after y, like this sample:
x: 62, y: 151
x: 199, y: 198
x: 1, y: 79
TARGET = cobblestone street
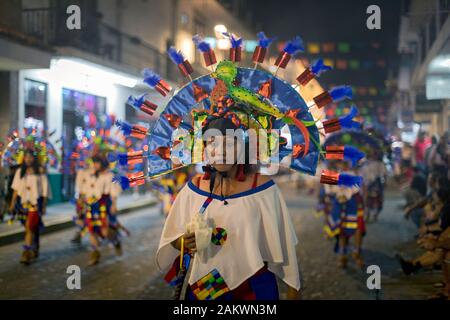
x: 134, y: 275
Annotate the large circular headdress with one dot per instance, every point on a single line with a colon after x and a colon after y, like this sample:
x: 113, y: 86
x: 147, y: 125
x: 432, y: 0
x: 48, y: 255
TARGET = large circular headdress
x: 251, y: 98
x: 364, y: 141
x: 95, y: 139
x: 33, y: 138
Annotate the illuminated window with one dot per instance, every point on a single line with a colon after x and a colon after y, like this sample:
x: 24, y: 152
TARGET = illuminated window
x: 35, y: 100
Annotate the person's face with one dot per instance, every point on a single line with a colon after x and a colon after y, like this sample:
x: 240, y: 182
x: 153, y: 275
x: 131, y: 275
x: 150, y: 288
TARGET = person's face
x: 217, y: 148
x: 28, y: 159
x: 97, y: 166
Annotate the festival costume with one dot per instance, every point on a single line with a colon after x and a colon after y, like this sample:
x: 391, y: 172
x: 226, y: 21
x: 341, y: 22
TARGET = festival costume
x: 95, y: 140
x: 98, y: 193
x: 374, y: 173
x: 81, y: 184
x: 31, y: 189
x: 346, y: 214
x: 344, y: 220
x: 257, y: 218
x: 253, y: 225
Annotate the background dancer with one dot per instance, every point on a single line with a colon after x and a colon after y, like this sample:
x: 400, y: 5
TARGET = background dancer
x: 101, y: 195
x: 30, y: 187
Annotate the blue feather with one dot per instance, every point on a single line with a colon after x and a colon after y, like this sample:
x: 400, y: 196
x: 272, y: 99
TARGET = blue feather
x: 235, y: 42
x: 201, y: 45
x: 349, y: 180
x: 176, y: 56
x: 263, y: 41
x: 353, y: 154
x: 318, y: 67
x: 136, y: 102
x: 123, y: 159
x: 125, y: 127
x: 347, y: 120
x: 341, y: 92
x: 150, y: 77
x: 112, y: 157
x: 294, y: 46
x: 124, y: 182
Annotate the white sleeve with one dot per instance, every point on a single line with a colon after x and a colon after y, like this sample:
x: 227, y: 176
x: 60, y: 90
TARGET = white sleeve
x: 279, y: 239
x: 174, y: 227
x: 109, y: 187
x: 78, y: 180
x: 17, y: 181
x: 44, y: 186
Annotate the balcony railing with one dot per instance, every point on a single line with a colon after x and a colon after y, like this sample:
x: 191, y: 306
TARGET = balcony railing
x: 444, y: 11
x: 95, y: 37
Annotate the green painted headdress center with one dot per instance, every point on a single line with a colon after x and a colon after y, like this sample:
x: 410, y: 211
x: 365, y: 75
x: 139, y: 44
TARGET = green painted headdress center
x: 226, y: 71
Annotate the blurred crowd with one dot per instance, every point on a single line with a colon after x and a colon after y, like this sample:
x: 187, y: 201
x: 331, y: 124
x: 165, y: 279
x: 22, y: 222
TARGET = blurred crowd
x: 425, y: 169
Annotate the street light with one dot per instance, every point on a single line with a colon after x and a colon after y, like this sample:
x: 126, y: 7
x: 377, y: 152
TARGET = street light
x: 223, y: 44
x: 220, y: 29
x: 98, y: 73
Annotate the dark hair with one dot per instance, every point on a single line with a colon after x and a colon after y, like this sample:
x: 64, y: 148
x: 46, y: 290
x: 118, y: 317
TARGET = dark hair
x: 34, y: 165
x: 102, y: 160
x: 222, y: 124
x: 442, y: 181
x: 443, y: 194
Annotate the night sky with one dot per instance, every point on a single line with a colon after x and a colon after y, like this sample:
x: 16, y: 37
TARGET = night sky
x: 324, y: 21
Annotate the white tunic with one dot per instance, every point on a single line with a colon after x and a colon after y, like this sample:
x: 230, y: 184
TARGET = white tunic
x: 259, y: 230
x: 341, y: 191
x: 94, y: 187
x: 373, y: 170
x: 30, y: 187
x: 82, y: 180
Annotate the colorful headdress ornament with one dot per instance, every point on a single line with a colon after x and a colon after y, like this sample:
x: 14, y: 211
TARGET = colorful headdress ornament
x: 92, y: 141
x: 35, y: 138
x: 251, y: 99
x: 360, y: 140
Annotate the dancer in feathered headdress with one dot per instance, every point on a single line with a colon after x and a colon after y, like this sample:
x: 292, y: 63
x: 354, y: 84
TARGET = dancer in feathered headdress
x: 95, y: 193
x: 373, y: 169
x: 233, y: 218
x: 28, y: 155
